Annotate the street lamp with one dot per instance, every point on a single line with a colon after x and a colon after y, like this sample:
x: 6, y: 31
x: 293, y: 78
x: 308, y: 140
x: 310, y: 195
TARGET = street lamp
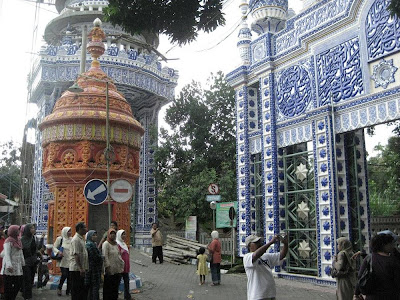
x: 75, y: 88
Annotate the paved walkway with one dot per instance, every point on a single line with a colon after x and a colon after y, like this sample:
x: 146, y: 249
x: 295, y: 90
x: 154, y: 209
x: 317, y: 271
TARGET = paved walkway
x: 172, y: 282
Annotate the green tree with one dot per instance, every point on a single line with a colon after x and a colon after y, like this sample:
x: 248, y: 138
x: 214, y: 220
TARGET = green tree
x: 394, y: 7
x: 10, y: 167
x: 198, y: 150
x: 180, y: 20
x: 384, y: 179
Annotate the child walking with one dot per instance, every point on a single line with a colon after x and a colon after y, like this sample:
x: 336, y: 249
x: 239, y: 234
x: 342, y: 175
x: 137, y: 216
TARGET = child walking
x: 202, y: 269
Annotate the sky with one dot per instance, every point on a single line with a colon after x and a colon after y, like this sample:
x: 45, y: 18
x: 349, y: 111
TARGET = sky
x: 210, y: 53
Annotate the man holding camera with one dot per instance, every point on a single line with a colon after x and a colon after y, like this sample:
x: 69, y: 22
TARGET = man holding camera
x: 258, y: 266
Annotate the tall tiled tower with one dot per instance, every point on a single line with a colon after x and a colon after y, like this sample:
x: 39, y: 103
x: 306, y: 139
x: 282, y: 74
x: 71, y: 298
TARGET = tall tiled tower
x: 132, y: 62
x: 74, y: 139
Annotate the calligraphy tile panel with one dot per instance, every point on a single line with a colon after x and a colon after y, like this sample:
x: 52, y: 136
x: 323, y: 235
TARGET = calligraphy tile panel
x: 314, y: 19
x: 295, y: 90
x: 339, y: 73
x: 382, y: 30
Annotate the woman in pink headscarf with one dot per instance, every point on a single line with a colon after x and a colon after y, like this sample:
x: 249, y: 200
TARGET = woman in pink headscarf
x: 13, y: 261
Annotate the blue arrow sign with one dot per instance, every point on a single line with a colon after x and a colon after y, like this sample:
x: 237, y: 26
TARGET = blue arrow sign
x: 95, y: 191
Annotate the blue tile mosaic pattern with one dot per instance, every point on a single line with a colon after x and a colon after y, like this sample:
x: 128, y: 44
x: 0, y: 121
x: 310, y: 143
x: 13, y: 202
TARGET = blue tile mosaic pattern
x: 314, y: 80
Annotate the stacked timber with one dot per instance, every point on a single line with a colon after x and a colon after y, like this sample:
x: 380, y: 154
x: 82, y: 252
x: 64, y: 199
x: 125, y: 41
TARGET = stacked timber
x: 179, y: 250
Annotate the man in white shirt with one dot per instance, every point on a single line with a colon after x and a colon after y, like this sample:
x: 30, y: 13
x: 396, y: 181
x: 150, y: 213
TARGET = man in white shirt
x: 258, y: 266
x: 79, y: 263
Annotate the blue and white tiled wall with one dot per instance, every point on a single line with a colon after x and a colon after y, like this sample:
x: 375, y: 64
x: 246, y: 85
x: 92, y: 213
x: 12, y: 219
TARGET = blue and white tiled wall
x: 243, y: 165
x: 343, y: 191
x: 362, y: 181
x: 269, y: 139
x: 146, y: 209
x: 325, y: 198
x: 41, y: 194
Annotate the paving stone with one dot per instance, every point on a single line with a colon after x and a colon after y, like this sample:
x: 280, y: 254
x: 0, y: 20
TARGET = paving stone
x: 170, y: 282
x: 175, y: 282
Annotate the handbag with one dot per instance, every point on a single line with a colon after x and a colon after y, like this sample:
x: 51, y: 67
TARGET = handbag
x: 210, y: 258
x: 335, y: 273
x: 367, y: 280
x: 56, y: 256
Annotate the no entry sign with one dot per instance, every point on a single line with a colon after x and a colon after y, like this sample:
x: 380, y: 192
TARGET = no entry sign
x: 121, y: 190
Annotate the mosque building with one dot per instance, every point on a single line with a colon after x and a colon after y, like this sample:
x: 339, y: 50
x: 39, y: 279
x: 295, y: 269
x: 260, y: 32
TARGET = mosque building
x: 139, y: 85
x: 307, y: 86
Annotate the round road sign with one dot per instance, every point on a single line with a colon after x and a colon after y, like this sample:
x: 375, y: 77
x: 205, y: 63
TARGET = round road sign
x: 95, y: 191
x: 121, y: 190
x: 213, y: 189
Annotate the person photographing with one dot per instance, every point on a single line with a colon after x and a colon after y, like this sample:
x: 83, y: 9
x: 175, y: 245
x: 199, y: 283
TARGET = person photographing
x: 258, y: 266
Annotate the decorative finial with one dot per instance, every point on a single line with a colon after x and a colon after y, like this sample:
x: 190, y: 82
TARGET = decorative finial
x: 97, y: 22
x: 96, y: 46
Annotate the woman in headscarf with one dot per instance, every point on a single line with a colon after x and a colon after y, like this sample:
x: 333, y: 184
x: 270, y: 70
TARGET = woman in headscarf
x: 346, y: 267
x: 13, y: 262
x: 114, y: 266
x: 93, y: 277
x: 214, y: 248
x: 124, y: 250
x: 385, y: 267
x: 62, y: 247
x: 30, y: 255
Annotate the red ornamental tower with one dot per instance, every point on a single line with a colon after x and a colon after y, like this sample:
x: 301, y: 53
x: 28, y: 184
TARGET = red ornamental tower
x: 74, y: 142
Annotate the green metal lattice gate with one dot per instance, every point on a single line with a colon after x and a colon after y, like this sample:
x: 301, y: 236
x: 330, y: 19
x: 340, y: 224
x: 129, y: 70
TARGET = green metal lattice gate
x: 300, y: 209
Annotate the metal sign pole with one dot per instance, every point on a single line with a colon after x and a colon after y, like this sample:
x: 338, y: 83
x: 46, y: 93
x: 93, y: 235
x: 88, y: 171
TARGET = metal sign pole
x: 232, y: 214
x: 108, y: 153
x: 213, y: 219
x: 213, y: 206
x: 233, y: 242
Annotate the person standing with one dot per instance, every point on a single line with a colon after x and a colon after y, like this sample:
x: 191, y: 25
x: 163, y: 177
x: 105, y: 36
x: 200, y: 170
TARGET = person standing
x: 79, y: 263
x: 202, y: 269
x: 93, y: 276
x: 62, y: 247
x: 258, y: 266
x: 113, y: 225
x: 30, y: 255
x: 156, y: 242
x: 13, y: 262
x: 124, y: 250
x: 114, y: 266
x: 2, y: 240
x: 386, y: 270
x: 214, y: 248
x: 346, y: 267
x: 43, y: 269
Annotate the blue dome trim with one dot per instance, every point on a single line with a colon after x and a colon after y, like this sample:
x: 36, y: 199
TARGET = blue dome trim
x: 254, y: 4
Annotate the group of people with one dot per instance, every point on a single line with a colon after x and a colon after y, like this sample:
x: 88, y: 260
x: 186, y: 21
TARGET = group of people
x: 383, y: 263
x: 384, y: 260
x: 82, y: 262
x: 214, y: 258
x: 22, y: 255
x: 258, y: 264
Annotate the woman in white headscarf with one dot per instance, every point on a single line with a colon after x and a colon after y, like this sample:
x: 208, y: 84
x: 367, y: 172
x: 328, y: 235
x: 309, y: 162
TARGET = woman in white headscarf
x: 61, y: 247
x: 214, y: 248
x: 124, y: 250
